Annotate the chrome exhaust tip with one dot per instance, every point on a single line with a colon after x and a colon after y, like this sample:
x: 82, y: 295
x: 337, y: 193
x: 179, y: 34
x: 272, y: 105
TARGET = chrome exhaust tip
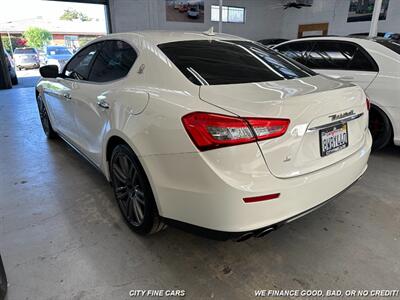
x: 244, y: 236
x: 264, y: 232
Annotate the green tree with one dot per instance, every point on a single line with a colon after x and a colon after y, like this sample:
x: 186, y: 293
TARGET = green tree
x: 71, y: 14
x: 37, y: 37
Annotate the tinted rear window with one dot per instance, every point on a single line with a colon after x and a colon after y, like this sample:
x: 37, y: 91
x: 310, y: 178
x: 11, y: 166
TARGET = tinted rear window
x: 392, y: 45
x: 58, y: 51
x: 230, y: 62
x: 25, y: 51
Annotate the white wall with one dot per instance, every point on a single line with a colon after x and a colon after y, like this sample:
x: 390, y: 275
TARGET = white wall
x: 335, y: 13
x: 263, y: 17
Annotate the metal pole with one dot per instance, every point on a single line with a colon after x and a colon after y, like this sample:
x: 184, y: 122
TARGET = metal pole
x: 373, y: 31
x: 107, y: 12
x: 220, y: 16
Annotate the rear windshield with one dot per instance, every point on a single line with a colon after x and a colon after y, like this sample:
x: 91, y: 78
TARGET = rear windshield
x: 231, y: 62
x: 25, y: 51
x: 58, y: 51
x: 392, y: 45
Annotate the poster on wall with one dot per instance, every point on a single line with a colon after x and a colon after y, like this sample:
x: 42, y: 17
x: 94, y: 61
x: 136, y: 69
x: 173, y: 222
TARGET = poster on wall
x: 185, y: 11
x: 361, y: 10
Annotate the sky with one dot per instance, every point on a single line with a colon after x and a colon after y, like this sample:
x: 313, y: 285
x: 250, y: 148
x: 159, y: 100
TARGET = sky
x: 14, y: 10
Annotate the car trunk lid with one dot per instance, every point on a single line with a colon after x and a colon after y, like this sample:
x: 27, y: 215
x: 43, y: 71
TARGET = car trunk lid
x: 313, y: 105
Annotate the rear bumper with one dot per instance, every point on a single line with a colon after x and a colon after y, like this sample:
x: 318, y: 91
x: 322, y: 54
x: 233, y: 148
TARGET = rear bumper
x: 244, y: 235
x: 207, y: 189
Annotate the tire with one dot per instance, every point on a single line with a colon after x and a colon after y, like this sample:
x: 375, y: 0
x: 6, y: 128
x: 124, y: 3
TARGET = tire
x: 380, y: 127
x: 3, y: 280
x: 133, y: 193
x: 44, y: 119
x: 14, y: 80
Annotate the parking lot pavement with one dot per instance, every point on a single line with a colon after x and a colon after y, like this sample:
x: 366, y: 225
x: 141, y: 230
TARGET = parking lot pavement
x: 27, y: 78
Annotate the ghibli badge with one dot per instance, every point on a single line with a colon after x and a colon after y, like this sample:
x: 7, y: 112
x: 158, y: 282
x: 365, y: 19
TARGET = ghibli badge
x: 342, y: 115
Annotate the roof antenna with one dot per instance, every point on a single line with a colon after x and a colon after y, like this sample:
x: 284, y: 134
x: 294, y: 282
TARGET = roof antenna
x: 210, y: 31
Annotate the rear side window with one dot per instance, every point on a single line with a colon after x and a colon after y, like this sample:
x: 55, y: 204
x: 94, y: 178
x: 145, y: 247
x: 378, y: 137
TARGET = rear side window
x: 339, y: 56
x: 298, y: 51
x: 230, y: 62
x: 113, y: 62
x: 392, y: 45
x: 25, y: 51
x: 330, y: 55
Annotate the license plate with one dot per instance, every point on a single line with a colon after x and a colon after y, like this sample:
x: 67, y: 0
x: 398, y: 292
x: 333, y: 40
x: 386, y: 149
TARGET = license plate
x: 333, y: 139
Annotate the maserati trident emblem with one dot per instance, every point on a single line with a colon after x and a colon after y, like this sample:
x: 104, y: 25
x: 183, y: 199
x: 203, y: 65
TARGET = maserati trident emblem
x: 342, y: 115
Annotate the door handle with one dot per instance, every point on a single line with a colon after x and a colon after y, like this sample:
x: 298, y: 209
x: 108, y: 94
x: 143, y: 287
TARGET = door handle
x: 67, y: 96
x: 103, y: 104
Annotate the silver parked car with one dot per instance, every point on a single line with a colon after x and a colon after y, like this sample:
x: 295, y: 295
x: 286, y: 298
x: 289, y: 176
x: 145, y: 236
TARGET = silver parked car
x: 26, y: 58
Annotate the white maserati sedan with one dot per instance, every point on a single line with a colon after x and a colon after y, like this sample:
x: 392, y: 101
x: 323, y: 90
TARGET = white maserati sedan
x: 209, y: 132
x: 373, y: 64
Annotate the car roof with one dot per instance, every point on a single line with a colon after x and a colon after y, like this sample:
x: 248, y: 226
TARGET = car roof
x: 355, y: 39
x: 336, y: 38
x: 358, y: 40
x: 164, y: 36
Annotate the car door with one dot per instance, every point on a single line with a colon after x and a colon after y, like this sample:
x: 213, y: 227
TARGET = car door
x: 95, y: 98
x: 59, y: 93
x: 343, y: 60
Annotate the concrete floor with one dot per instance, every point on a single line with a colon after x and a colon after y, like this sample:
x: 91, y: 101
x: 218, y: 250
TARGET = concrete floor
x: 62, y: 237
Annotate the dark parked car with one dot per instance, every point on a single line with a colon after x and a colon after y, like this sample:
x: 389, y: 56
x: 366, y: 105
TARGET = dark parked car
x: 11, y: 68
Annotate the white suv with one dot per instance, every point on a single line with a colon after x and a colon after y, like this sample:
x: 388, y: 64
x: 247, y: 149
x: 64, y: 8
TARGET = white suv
x: 373, y: 64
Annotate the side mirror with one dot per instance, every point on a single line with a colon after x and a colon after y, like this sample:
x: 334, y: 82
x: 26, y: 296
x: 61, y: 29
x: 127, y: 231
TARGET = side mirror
x: 50, y: 71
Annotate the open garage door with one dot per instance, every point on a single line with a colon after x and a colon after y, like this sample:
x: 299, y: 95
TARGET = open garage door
x: 47, y: 33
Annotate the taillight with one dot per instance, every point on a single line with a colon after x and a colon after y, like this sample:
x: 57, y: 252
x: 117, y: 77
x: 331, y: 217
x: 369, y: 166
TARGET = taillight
x: 268, y: 128
x: 368, y: 102
x: 210, y: 131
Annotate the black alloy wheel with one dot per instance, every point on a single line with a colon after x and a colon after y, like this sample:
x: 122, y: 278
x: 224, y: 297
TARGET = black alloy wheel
x: 133, y: 192
x: 44, y: 118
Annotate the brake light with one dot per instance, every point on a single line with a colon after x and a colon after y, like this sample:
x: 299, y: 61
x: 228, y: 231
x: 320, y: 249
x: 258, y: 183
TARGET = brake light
x: 210, y: 131
x: 368, y: 102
